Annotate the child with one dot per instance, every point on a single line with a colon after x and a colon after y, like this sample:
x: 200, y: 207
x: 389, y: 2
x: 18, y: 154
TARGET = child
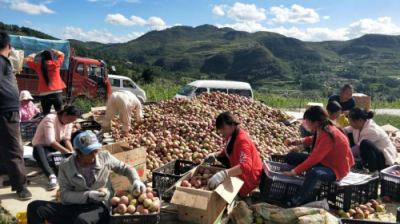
x: 27, y: 110
x: 335, y: 114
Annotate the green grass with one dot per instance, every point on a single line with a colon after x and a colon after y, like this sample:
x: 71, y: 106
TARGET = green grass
x: 87, y: 103
x: 382, y: 119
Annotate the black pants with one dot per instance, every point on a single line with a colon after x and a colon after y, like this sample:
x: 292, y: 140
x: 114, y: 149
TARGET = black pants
x: 54, y: 99
x: 11, y: 151
x: 40, y: 153
x: 372, y: 157
x: 55, y: 212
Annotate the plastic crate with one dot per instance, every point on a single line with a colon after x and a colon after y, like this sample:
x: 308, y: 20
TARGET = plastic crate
x: 28, y: 130
x: 167, y: 175
x: 56, y: 159
x: 278, y: 158
x: 92, y: 126
x: 278, y: 188
x: 390, y: 184
x: 138, y: 219
x: 347, y: 197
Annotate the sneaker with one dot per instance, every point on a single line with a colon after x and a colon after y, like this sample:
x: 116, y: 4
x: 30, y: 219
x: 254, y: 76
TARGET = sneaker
x: 52, y: 182
x: 24, y: 194
x: 318, y: 204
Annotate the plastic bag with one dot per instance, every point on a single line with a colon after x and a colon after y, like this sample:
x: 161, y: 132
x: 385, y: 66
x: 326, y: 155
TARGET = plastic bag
x: 16, y: 58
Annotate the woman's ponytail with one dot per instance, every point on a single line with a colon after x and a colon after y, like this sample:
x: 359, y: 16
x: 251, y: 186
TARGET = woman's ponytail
x: 46, y: 55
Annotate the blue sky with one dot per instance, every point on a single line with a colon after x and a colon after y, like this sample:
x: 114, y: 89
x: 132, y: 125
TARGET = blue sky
x: 111, y: 21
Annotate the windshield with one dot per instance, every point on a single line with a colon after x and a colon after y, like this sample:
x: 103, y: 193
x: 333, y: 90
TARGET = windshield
x: 93, y: 70
x: 187, y: 90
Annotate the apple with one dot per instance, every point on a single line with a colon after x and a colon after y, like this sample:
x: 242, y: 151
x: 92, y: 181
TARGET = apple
x: 142, y: 197
x: 131, y: 209
x: 156, y: 199
x: 124, y: 200
x: 145, y: 211
x: 136, y: 193
x: 206, y: 172
x: 150, y: 195
x: 352, y: 212
x: 115, y: 201
x: 346, y: 215
x: 155, y: 194
x: 115, y: 210
x: 149, y: 190
x: 340, y: 212
x: 386, y: 199
x: 130, y: 197
x: 359, y: 215
x: 104, y: 190
x: 259, y: 220
x: 380, y: 208
x: 147, y: 203
x: 139, y: 208
x: 366, y: 214
x: 185, y: 183
x: 134, y: 202
x: 198, y: 184
x: 121, y: 209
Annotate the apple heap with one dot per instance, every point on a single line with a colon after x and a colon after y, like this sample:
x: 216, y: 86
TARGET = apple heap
x: 366, y: 211
x: 199, y: 180
x: 396, y: 142
x: 185, y: 128
x: 136, y: 203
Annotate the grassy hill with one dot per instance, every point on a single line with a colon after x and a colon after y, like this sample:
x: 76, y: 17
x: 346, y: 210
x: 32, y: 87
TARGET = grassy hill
x: 269, y: 61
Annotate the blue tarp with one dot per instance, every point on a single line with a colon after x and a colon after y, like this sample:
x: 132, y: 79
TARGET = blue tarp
x: 35, y: 45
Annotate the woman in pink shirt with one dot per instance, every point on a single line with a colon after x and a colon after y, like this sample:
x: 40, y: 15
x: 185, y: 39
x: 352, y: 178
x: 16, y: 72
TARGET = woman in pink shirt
x: 54, y: 134
x: 27, y: 110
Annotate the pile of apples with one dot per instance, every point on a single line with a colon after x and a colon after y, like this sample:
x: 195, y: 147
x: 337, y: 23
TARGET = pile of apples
x: 395, y: 172
x: 185, y: 128
x: 136, y: 203
x: 199, y: 180
x: 366, y: 211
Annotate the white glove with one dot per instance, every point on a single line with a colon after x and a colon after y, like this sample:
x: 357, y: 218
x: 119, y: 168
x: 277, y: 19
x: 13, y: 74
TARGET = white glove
x: 139, y: 186
x: 217, y: 179
x: 210, y: 158
x: 99, y: 196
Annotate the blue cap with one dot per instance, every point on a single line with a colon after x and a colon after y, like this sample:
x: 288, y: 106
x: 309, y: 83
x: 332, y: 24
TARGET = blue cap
x: 86, y: 143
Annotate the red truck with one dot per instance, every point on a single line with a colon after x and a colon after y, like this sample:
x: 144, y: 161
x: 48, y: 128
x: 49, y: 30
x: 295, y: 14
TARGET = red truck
x: 83, y: 76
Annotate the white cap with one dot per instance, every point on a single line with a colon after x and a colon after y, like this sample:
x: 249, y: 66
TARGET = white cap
x: 25, y: 95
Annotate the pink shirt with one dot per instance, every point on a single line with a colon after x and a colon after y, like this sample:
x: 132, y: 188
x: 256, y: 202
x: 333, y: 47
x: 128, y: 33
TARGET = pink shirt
x: 26, y: 113
x: 50, y: 130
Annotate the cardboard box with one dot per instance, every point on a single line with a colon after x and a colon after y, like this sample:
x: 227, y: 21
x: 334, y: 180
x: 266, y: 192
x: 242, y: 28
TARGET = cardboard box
x: 135, y: 157
x: 362, y: 101
x: 311, y: 104
x: 201, y: 206
x: 98, y: 118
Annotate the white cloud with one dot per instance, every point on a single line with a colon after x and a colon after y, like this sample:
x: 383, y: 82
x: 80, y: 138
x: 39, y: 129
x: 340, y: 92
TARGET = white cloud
x: 178, y: 24
x: 113, y: 2
x: 155, y: 23
x: 102, y: 36
x: 246, y: 12
x: 219, y: 10
x: 326, y: 17
x: 382, y: 25
x: 296, y: 14
x: 31, y: 8
x: 27, y: 22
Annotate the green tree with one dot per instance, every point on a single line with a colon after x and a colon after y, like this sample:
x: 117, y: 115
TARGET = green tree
x: 148, y: 75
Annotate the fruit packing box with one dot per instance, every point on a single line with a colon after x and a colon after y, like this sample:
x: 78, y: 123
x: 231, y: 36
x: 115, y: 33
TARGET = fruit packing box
x: 204, y: 206
x: 390, y: 182
x: 350, y: 196
x: 277, y: 188
x: 137, y: 218
x: 167, y: 175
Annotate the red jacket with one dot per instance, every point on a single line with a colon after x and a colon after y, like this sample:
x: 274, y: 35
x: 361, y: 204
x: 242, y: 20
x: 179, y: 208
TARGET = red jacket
x: 245, y: 155
x: 335, y: 155
x: 53, y: 70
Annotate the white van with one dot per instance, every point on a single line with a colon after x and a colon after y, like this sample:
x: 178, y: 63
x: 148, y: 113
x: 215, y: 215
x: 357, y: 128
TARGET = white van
x: 230, y: 87
x: 124, y: 83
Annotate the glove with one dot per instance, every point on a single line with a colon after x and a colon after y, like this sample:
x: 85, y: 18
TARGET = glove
x: 355, y: 150
x: 139, y: 186
x: 210, y: 158
x: 99, y: 196
x: 217, y: 179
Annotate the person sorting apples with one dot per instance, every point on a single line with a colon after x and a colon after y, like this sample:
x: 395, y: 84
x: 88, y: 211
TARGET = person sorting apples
x: 85, y: 187
x: 330, y: 160
x: 345, y: 98
x: 240, y: 155
x: 54, y: 134
x: 123, y: 101
x: 371, y: 141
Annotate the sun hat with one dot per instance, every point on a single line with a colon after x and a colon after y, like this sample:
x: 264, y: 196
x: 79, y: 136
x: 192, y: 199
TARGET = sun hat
x: 86, y: 143
x: 25, y: 95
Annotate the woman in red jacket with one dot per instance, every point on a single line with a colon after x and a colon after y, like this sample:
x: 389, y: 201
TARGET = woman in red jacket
x: 50, y: 82
x: 330, y: 160
x: 240, y: 155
